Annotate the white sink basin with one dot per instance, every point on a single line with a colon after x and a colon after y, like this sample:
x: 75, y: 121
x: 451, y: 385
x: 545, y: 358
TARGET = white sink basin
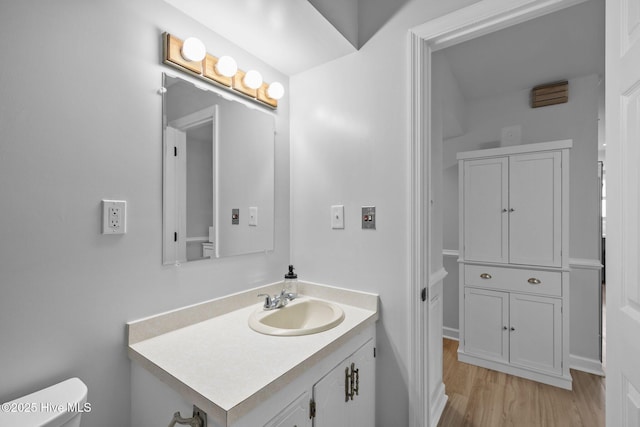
x: 302, y: 316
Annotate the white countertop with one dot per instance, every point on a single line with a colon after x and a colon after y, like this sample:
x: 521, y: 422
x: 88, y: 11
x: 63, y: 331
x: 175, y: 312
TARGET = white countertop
x: 224, y: 364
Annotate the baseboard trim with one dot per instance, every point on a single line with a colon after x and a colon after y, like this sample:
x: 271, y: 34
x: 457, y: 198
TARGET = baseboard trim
x: 451, y: 333
x: 583, y: 364
x: 437, y: 405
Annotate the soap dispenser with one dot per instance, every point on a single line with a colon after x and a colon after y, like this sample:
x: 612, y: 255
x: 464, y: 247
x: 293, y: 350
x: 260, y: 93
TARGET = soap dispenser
x: 291, y: 283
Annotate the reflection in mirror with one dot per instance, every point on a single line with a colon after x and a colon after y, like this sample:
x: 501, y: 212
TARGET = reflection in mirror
x: 218, y: 175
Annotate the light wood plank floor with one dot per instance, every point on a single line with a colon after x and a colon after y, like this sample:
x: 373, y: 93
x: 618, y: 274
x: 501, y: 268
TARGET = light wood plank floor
x: 481, y: 397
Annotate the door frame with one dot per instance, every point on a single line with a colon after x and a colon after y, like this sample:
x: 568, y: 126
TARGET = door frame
x: 480, y: 18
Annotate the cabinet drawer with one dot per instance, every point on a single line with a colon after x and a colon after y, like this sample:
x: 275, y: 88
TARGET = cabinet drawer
x: 511, y: 279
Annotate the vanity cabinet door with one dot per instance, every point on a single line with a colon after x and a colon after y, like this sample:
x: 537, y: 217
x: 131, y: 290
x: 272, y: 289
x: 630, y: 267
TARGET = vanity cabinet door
x: 345, y: 397
x: 294, y: 415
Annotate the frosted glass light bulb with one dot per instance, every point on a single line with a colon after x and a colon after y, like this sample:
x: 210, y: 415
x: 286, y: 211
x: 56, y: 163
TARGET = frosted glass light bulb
x: 193, y: 49
x: 253, y: 79
x: 275, y: 90
x: 227, y: 66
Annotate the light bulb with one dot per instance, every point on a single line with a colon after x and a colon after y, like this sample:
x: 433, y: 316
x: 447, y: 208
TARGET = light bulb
x: 275, y: 90
x: 226, y: 66
x: 252, y: 79
x: 193, y: 49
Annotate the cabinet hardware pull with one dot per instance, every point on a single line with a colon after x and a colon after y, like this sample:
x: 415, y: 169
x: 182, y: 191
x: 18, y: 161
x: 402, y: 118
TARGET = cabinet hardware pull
x: 346, y: 384
x: 505, y: 210
x: 534, y: 281
x: 513, y: 329
x: 485, y: 276
x: 355, y: 372
x: 504, y: 328
x: 512, y: 210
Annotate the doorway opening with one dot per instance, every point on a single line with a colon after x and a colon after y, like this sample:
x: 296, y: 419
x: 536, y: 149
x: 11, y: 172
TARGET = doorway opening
x: 477, y: 20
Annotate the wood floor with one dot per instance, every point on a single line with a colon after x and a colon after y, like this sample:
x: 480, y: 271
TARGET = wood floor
x: 481, y: 397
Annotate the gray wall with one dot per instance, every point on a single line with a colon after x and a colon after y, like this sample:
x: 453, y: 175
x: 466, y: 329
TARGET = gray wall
x: 351, y: 146
x: 80, y: 121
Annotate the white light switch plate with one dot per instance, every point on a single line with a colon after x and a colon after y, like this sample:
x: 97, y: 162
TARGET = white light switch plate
x: 253, y: 216
x: 114, y: 217
x: 337, y: 217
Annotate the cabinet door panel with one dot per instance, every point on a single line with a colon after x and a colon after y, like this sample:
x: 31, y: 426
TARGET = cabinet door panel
x: 485, y: 199
x: 362, y: 409
x: 536, y: 338
x: 332, y: 408
x: 486, y: 317
x: 294, y: 415
x: 535, y: 209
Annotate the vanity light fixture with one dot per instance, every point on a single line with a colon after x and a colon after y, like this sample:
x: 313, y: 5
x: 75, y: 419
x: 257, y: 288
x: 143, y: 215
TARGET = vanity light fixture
x: 191, y: 57
x: 252, y: 79
x: 227, y: 66
x: 275, y: 90
x: 193, y: 49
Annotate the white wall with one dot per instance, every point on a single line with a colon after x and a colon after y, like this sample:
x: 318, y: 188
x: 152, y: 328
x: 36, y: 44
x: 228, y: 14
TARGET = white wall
x: 350, y: 145
x: 80, y: 120
x: 577, y: 120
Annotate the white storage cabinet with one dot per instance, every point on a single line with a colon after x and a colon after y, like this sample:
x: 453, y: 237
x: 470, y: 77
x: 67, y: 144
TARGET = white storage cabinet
x: 514, y: 261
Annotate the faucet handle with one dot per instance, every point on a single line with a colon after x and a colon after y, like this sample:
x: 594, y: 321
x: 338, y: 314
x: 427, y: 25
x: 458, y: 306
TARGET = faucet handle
x: 267, y: 300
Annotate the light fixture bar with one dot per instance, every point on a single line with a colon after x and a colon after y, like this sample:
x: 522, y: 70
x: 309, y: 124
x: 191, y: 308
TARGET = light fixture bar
x: 222, y: 72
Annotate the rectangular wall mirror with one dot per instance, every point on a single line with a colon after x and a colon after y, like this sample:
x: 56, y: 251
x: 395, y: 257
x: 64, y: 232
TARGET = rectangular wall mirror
x: 218, y: 175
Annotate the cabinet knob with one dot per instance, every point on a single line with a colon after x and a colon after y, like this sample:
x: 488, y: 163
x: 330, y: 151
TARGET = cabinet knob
x: 505, y: 210
x: 485, y: 276
x: 512, y: 210
x: 534, y: 281
x: 504, y: 328
x: 513, y: 329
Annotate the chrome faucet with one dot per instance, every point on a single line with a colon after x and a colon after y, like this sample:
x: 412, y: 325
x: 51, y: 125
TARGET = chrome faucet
x: 277, y: 301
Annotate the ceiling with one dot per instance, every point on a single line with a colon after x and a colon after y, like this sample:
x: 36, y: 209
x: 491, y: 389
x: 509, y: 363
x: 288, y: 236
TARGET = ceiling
x: 562, y: 45
x: 292, y: 36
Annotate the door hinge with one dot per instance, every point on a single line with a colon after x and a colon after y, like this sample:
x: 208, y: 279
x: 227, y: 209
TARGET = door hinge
x: 175, y: 236
x: 312, y: 408
x: 175, y: 151
x: 374, y: 352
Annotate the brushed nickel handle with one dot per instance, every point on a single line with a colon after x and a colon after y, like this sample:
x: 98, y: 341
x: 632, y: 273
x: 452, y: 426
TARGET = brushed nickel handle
x: 347, y: 377
x: 355, y: 373
x: 485, y: 276
x: 534, y: 281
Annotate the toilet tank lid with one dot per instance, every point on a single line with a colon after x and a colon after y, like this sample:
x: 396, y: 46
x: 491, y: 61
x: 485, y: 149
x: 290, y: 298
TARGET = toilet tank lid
x: 53, y: 405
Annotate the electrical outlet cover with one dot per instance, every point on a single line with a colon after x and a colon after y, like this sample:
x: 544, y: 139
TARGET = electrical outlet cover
x: 369, y: 217
x: 114, y: 217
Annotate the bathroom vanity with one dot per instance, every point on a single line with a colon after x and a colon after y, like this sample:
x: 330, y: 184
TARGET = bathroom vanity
x: 207, y: 355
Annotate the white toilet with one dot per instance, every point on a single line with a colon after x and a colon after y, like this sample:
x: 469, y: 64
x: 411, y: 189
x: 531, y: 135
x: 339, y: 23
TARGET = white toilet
x: 60, y: 405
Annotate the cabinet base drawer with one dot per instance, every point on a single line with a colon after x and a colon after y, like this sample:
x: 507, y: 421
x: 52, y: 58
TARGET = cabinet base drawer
x: 512, y: 279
